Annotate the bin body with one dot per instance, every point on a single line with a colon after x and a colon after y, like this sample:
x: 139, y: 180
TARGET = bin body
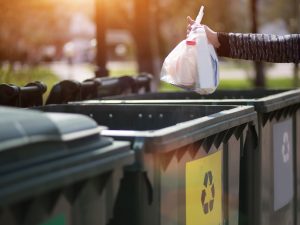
x: 57, y: 169
x: 187, y: 158
x: 275, y: 169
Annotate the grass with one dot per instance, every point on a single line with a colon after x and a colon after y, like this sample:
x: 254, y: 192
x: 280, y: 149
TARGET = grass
x: 279, y: 83
x: 122, y: 72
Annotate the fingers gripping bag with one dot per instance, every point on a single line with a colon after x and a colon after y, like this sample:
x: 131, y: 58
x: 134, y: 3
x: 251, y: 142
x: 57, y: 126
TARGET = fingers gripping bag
x: 193, y: 64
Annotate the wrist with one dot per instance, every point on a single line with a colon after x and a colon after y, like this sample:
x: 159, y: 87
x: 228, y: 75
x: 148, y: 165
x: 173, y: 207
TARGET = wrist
x: 212, y: 37
x: 215, y: 38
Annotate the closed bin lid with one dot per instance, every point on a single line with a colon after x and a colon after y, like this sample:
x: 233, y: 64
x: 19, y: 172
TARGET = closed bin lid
x: 40, y: 152
x: 30, y: 136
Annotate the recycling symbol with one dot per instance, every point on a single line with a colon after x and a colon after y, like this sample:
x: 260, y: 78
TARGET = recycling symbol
x: 285, y: 150
x: 208, y: 193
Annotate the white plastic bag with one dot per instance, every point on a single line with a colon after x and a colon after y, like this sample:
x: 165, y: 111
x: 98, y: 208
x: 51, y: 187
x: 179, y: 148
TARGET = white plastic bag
x: 193, y: 63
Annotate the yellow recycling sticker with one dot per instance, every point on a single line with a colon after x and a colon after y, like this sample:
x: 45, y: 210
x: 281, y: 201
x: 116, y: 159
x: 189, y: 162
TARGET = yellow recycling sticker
x: 204, y: 190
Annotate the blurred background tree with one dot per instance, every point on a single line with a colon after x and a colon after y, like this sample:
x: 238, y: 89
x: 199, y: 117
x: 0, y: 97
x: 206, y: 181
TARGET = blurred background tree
x: 287, y: 16
x: 26, y: 26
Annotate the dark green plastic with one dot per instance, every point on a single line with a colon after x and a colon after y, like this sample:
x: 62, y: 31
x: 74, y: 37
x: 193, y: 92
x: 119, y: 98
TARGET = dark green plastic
x: 278, y: 113
x: 165, y: 138
x: 57, y: 168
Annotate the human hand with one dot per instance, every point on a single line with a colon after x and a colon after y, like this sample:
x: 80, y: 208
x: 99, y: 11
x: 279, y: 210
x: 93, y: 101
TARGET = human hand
x: 212, y: 36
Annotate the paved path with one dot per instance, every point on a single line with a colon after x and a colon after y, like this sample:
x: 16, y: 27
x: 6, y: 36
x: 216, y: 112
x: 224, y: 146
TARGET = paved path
x: 77, y: 72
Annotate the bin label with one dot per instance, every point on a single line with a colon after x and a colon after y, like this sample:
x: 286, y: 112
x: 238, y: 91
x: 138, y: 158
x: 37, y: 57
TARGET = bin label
x: 204, y: 190
x: 283, y: 163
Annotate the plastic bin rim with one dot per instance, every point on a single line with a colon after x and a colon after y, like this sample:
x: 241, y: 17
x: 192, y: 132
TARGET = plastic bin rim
x: 201, y: 127
x: 53, y: 174
x: 264, y: 105
x: 40, y: 138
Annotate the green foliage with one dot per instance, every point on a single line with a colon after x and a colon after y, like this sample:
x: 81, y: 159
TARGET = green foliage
x: 26, y: 26
x: 234, y: 84
x: 221, y: 15
x: 165, y: 87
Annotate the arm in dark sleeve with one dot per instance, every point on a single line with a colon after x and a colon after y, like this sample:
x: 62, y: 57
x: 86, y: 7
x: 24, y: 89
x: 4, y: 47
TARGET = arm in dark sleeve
x: 224, y: 49
x: 260, y: 47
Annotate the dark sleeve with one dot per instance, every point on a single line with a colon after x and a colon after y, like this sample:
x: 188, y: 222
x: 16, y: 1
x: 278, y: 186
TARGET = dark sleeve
x: 260, y: 47
x: 224, y: 49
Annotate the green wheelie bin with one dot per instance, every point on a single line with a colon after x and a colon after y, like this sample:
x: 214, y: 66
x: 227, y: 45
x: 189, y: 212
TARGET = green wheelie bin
x: 57, y: 169
x: 187, y: 168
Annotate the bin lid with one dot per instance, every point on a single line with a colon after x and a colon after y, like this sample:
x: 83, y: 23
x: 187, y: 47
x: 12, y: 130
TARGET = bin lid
x: 74, y: 126
x: 23, y: 127
x: 31, y: 136
x: 43, y: 151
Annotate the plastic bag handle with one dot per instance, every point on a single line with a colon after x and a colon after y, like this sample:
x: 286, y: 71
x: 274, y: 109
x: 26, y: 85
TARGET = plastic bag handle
x: 190, y: 40
x: 200, y: 15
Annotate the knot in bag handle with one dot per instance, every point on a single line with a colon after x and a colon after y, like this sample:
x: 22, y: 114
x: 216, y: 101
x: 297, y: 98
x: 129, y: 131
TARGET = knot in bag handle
x: 190, y: 40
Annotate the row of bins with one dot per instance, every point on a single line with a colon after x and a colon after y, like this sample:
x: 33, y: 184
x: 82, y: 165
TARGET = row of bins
x: 53, y: 174
x: 181, y: 152
x: 70, y: 90
x: 195, y: 162
x: 274, y: 187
